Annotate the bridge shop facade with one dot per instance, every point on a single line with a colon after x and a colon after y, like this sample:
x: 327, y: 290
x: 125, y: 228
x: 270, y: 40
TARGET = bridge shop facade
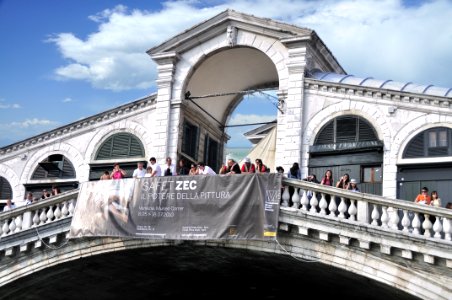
x: 392, y: 137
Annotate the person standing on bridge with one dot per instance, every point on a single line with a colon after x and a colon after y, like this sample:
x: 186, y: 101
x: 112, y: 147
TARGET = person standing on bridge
x: 8, y: 205
x: 205, y: 170
x: 117, y: 172
x: 327, y: 178
x: 423, y: 197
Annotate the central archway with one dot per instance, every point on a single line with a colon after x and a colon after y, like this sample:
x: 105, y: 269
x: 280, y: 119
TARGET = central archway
x: 199, y: 272
x: 214, y: 84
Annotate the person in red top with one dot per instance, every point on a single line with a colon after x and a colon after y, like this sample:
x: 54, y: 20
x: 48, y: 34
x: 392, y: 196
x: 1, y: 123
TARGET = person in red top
x: 117, y: 172
x: 248, y: 167
x: 423, y: 197
x: 260, y: 167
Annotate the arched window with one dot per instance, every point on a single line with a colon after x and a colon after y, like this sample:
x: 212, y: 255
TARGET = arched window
x: 5, y: 189
x: 54, y: 166
x: 433, y: 142
x: 344, y: 133
x: 120, y: 145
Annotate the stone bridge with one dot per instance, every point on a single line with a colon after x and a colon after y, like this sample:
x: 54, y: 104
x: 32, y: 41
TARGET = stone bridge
x: 397, y: 243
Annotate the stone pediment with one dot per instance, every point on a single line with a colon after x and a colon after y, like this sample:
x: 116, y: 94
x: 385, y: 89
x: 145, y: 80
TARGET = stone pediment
x: 218, y: 24
x: 288, y: 34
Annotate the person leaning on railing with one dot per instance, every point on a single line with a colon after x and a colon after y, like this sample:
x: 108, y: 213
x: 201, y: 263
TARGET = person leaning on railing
x: 423, y: 197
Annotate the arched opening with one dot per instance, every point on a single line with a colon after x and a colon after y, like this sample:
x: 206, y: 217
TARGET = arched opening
x: 55, y: 170
x: 424, y: 164
x: 349, y: 144
x: 6, y: 192
x: 214, y: 90
x: 124, y: 148
x: 195, y: 272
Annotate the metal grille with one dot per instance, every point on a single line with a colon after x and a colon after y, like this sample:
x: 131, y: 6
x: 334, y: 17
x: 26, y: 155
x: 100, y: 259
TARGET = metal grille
x: 120, y: 145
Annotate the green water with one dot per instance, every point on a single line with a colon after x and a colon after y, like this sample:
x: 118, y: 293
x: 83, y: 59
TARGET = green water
x: 237, y: 153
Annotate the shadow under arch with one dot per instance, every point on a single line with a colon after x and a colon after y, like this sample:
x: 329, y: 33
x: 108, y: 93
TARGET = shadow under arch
x: 195, y: 269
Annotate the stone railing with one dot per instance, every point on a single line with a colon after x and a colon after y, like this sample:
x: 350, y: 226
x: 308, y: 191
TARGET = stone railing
x: 370, y: 210
x: 37, y: 214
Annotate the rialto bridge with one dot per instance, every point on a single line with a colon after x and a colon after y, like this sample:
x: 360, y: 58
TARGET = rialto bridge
x: 401, y: 245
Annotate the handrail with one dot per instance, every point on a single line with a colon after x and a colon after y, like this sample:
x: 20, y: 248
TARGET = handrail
x: 43, y: 203
x: 370, y: 198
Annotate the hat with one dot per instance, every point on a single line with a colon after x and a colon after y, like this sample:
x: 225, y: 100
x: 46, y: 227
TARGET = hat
x: 353, y: 180
x: 247, y: 159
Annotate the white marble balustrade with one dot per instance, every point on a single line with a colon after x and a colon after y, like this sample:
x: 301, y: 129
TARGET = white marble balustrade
x: 38, y: 214
x: 372, y: 210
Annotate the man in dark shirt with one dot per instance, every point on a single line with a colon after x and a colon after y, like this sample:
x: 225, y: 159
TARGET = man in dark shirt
x: 233, y: 167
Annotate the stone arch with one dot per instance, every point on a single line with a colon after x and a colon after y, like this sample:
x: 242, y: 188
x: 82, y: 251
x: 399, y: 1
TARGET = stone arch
x: 411, y: 129
x: 14, y: 181
x: 65, y: 149
x: 123, y: 126
x: 189, y: 61
x: 395, y: 275
x: 374, y: 116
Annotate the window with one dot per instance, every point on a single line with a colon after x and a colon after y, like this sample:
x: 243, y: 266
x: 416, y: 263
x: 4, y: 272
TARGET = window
x: 437, y: 138
x: 211, y: 150
x: 5, y: 189
x: 346, y: 129
x: 372, y: 174
x: 54, y: 166
x: 190, y: 140
x: 430, y: 143
x: 120, y: 145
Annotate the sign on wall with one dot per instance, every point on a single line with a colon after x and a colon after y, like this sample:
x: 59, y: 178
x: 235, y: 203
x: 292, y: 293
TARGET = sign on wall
x: 180, y: 207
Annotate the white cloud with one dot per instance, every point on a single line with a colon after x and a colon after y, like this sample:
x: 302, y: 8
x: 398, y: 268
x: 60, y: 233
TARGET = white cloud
x: 67, y: 100
x: 383, y: 39
x: 20, y: 130
x: 4, y: 105
x: 35, y: 122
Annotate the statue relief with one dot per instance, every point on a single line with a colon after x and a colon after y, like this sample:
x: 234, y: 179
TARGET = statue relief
x: 231, y: 35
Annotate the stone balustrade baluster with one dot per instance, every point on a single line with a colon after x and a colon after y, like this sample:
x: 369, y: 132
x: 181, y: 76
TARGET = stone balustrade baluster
x: 314, y: 202
x: 352, y: 210
x: 65, y: 210
x: 304, y: 200
x: 285, y: 197
x: 416, y: 223
x: 447, y: 229
x: 375, y: 215
x: 1, y: 229
x: 71, y: 207
x: 43, y: 216
x: 36, y: 218
x: 18, y: 222
x: 332, y: 207
x: 5, y: 228
x: 342, y: 208
x: 50, y: 214
x: 427, y: 225
x: 406, y: 221
x: 437, y: 227
x: 323, y: 204
x: 295, y: 198
x: 12, y: 225
x: 394, y: 219
x: 57, y: 212
x: 384, y: 217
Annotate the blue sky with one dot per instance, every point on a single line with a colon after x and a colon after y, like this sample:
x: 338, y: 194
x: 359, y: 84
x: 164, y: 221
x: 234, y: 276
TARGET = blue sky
x: 65, y: 60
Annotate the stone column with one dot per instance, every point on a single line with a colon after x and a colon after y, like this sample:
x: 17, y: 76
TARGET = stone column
x: 289, y: 128
x: 165, y: 129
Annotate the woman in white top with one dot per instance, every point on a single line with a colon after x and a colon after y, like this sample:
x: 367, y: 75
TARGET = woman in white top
x: 436, y: 201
